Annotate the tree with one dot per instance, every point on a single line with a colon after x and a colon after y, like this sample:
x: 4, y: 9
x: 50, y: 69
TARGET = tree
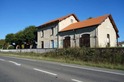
x: 90, y: 18
x: 2, y: 41
x: 27, y: 37
x: 11, y: 39
x: 19, y: 39
x: 30, y: 35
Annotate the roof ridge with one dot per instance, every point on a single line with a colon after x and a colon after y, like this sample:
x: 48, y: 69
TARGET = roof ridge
x: 59, y: 19
x: 97, y: 17
x: 86, y: 23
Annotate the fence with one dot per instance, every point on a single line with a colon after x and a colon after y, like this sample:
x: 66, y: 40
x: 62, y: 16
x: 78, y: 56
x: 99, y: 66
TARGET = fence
x: 113, y: 50
x: 27, y: 50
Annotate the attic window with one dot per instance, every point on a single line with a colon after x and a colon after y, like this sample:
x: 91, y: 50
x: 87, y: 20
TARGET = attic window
x: 71, y: 20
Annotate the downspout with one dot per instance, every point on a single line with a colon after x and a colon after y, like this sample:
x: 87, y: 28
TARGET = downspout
x: 74, y: 37
x: 117, y: 41
x: 58, y: 36
x: 95, y: 36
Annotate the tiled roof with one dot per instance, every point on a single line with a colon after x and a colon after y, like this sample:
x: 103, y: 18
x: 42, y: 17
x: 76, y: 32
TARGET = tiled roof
x: 59, y: 19
x: 91, y: 22
x: 85, y: 23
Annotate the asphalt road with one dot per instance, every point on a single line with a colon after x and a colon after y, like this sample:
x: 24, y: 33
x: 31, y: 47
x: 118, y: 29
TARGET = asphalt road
x: 26, y: 70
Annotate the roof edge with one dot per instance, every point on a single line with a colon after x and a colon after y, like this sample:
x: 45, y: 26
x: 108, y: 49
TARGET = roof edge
x: 58, y: 20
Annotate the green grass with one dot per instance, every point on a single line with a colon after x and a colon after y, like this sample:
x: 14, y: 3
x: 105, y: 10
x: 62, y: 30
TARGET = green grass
x: 64, y: 60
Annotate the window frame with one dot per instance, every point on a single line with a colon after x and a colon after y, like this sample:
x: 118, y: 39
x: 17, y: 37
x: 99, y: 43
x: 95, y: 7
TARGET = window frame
x: 42, y: 33
x: 52, y: 31
x: 108, y: 40
x: 72, y: 20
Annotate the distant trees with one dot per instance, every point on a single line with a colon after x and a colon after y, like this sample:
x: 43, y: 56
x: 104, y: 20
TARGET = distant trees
x: 90, y: 18
x: 23, y: 39
x: 2, y: 43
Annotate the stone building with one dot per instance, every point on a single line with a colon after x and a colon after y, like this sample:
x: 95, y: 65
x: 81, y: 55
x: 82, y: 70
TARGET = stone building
x: 68, y: 31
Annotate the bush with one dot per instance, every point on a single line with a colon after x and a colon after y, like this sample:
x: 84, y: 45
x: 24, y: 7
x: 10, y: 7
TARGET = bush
x: 11, y: 47
x: 103, y: 55
x: 1, y: 46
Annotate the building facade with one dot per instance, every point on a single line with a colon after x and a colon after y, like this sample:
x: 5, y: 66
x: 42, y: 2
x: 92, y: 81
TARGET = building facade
x: 68, y: 31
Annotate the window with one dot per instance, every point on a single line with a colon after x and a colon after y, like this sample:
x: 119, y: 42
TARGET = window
x: 52, y: 43
x: 71, y: 20
x: 42, y: 33
x: 67, y: 42
x: 108, y: 36
x: 42, y: 44
x: 52, y: 31
x: 108, y: 40
x: 85, y: 40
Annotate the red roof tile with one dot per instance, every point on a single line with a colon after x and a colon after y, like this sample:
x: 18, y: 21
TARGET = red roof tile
x: 59, y: 19
x: 91, y: 22
x: 85, y: 23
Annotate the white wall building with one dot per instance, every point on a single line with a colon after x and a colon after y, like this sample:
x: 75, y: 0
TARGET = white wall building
x: 68, y: 31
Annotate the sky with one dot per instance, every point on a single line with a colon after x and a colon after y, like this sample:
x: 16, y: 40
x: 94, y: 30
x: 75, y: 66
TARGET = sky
x: 15, y: 15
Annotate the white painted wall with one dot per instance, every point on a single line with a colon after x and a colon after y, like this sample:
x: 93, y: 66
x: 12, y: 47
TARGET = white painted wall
x: 64, y: 23
x: 106, y: 28
x: 78, y: 33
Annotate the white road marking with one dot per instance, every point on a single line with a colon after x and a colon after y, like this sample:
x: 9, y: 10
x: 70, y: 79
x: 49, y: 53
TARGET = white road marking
x: 75, y: 80
x: 98, y: 70
x: 45, y: 71
x: 15, y: 63
x: 2, y: 60
x: 104, y: 71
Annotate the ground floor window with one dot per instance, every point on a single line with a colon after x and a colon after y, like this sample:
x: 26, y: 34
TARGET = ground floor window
x: 85, y: 40
x: 66, y: 42
x: 108, y: 40
x: 52, y: 43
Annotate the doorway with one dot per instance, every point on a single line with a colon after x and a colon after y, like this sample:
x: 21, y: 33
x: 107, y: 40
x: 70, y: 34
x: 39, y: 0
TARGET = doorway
x: 42, y: 44
x: 85, y: 40
x: 66, y: 42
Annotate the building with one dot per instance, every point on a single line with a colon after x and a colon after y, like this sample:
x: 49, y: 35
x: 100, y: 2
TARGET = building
x: 121, y: 44
x: 68, y: 31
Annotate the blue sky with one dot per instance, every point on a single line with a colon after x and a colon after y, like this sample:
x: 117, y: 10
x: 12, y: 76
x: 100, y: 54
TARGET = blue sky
x: 15, y: 15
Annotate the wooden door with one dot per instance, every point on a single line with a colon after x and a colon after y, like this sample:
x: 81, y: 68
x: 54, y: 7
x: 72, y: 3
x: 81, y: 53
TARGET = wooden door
x: 85, y: 40
x: 66, y: 42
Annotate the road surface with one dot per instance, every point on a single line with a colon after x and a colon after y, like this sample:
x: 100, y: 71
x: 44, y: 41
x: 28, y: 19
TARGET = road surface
x: 27, y: 70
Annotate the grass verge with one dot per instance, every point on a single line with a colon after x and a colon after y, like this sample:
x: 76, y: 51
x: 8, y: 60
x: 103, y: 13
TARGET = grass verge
x: 64, y: 60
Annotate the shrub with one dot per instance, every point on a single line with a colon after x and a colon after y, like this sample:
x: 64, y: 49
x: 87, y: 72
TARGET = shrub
x: 11, y: 47
x: 100, y: 55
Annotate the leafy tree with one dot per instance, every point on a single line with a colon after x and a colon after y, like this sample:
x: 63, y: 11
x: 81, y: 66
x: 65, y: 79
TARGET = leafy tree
x: 10, y: 38
x: 30, y: 35
x: 27, y: 37
x: 2, y: 41
x: 90, y: 18
x: 19, y: 38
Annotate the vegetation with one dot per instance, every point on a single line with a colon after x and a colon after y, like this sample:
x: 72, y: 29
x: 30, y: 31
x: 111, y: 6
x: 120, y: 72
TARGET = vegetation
x: 25, y: 37
x: 108, y: 58
x: 2, y: 43
x: 111, y: 56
